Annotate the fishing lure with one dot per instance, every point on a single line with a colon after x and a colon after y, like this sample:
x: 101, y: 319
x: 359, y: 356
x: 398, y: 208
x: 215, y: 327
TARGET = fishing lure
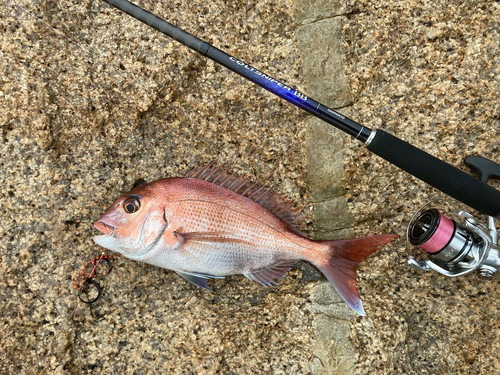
x: 89, y: 290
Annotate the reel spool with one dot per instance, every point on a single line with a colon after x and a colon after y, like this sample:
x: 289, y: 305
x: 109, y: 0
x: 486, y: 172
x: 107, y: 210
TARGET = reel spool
x: 454, y: 249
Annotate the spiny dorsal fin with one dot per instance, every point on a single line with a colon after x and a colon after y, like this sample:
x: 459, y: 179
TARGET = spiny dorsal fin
x: 284, y: 208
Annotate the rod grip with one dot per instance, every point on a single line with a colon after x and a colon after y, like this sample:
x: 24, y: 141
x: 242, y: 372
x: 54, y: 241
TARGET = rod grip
x: 437, y: 173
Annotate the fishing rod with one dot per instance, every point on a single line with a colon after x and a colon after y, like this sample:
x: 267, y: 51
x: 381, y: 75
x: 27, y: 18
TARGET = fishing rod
x: 451, y: 247
x: 418, y: 163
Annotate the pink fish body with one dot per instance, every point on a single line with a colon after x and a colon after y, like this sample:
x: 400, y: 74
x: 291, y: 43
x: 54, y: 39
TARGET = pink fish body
x: 212, y: 224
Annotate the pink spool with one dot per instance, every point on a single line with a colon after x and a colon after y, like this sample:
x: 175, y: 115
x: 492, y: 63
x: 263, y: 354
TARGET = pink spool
x: 441, y: 237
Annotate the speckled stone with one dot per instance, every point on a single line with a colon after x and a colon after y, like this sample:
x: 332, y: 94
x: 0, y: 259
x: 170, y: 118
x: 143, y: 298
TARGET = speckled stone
x: 334, y: 352
x: 309, y: 11
x: 323, y: 73
x: 325, y: 155
x: 319, y: 45
x: 97, y: 101
x: 93, y: 101
x: 429, y: 73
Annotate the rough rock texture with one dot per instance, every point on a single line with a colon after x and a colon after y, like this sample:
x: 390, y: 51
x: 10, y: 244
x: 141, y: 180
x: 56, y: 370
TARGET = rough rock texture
x: 93, y: 101
x: 319, y: 46
x: 429, y: 73
x: 322, y: 68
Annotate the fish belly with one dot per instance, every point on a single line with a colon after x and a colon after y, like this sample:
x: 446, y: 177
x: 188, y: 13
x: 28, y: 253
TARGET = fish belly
x: 227, y: 239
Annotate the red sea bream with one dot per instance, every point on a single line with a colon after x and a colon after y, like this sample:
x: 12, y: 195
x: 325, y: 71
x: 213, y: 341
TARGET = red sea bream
x: 212, y: 224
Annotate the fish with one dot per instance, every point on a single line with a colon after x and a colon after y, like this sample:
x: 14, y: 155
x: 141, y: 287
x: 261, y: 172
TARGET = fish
x: 214, y: 223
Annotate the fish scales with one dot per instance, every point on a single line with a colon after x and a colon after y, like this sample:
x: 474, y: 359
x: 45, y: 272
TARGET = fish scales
x: 202, y: 229
x: 266, y: 238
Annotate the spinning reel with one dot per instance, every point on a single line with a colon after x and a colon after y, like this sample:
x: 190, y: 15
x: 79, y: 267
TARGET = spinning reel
x: 456, y: 249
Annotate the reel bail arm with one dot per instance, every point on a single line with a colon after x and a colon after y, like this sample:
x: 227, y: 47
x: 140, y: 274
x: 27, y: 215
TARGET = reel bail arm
x: 456, y: 249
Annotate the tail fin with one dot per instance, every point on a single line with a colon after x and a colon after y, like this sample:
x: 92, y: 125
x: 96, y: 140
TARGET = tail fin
x: 340, y: 267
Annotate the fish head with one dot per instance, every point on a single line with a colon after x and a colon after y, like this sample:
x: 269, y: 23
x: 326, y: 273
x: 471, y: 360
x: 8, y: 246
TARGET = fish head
x: 133, y: 224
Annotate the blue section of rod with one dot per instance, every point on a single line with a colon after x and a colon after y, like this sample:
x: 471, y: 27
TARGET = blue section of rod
x: 252, y: 74
x: 429, y: 169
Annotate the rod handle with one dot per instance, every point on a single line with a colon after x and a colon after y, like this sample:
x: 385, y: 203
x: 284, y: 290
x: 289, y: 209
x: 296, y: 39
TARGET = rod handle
x: 443, y: 176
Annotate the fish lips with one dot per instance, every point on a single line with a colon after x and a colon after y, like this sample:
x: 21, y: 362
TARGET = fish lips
x: 104, y: 228
x: 106, y: 239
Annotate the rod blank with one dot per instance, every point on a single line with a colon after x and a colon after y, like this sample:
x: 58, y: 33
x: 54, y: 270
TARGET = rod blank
x: 418, y: 163
x: 256, y: 76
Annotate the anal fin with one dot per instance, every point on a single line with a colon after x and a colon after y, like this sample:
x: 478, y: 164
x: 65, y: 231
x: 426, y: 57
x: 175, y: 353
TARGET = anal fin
x: 267, y: 276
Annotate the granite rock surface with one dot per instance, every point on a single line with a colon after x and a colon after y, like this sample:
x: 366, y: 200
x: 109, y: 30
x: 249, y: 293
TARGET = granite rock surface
x: 94, y: 101
x: 429, y: 73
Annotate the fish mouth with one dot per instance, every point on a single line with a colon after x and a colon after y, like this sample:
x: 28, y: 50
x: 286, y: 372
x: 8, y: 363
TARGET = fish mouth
x: 110, y: 239
x: 104, y: 228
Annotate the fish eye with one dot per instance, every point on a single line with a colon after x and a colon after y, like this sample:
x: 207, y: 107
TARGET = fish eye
x: 131, y: 205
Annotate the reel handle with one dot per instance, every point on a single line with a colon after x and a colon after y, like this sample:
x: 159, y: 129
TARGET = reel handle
x: 485, y: 168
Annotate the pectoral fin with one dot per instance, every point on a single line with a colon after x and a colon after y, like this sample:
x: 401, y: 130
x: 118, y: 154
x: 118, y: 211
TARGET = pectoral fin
x: 210, y: 237
x: 198, y: 279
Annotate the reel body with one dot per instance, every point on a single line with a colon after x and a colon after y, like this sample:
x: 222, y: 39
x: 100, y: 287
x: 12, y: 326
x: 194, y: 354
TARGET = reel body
x: 456, y: 249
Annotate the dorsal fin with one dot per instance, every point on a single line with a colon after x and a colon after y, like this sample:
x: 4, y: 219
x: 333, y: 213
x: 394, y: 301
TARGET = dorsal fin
x: 282, y: 207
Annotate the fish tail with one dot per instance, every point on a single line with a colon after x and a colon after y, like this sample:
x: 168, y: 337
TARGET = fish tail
x: 340, y: 261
